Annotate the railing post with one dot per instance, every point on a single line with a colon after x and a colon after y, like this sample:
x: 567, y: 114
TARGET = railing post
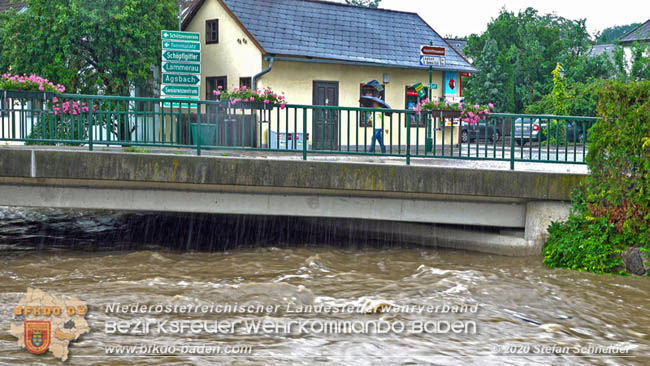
x: 512, y: 143
x: 408, y: 140
x: 305, y: 140
x: 198, y: 126
x: 90, y: 124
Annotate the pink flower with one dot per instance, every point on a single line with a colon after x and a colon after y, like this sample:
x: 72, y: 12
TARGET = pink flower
x: 220, y: 87
x: 491, y: 105
x: 238, y: 100
x: 251, y: 99
x: 243, y: 87
x: 266, y: 101
x: 476, y: 106
x: 217, y: 93
x: 283, y: 106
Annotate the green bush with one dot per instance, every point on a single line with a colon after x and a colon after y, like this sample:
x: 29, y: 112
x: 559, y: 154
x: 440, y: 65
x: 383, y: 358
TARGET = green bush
x: 556, y: 132
x: 584, y: 243
x: 582, y: 100
x: 612, y: 212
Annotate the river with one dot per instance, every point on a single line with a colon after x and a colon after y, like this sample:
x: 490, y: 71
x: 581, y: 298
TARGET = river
x: 508, y: 311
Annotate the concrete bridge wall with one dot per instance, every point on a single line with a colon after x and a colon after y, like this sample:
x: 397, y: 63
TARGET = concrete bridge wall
x: 525, y: 201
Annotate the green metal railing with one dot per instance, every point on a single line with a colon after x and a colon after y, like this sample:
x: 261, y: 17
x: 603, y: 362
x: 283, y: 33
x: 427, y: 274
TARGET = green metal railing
x: 90, y: 120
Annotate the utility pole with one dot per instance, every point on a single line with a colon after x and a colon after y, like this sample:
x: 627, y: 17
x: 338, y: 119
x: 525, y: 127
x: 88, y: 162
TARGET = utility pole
x: 430, y: 76
x: 180, y: 10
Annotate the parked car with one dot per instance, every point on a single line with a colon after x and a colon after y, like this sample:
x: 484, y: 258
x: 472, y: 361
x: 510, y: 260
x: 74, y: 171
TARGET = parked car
x: 527, y: 129
x: 535, y: 130
x: 469, y: 133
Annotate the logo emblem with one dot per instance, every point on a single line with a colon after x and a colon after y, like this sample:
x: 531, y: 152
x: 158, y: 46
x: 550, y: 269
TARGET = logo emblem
x: 37, y: 336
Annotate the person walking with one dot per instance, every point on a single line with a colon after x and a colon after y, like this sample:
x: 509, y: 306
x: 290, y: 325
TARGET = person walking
x: 378, y: 132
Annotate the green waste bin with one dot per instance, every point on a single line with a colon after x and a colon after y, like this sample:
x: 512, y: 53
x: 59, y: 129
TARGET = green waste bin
x: 208, y: 134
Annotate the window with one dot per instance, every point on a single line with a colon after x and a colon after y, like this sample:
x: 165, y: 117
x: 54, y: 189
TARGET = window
x: 411, y: 100
x: 212, y: 31
x: 245, y: 82
x: 213, y: 83
x: 364, y: 119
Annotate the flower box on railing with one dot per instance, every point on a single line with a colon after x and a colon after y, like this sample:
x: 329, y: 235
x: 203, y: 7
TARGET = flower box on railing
x: 26, y: 94
x: 246, y: 105
x: 445, y: 114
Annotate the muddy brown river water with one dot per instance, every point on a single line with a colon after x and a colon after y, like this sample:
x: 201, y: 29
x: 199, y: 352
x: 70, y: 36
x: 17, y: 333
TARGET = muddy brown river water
x: 398, y: 302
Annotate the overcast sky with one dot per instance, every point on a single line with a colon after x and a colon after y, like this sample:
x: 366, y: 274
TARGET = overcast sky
x: 462, y: 18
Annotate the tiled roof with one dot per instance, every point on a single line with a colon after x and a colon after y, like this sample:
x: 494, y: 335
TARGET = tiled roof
x: 328, y: 30
x: 8, y: 4
x: 458, y: 44
x: 642, y: 33
x: 599, y: 49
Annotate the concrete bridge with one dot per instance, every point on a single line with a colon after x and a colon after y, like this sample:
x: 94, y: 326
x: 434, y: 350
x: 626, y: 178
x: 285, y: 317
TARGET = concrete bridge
x: 420, y: 201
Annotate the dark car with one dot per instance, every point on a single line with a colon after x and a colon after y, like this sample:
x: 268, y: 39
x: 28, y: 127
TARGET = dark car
x: 536, y: 130
x: 481, y: 131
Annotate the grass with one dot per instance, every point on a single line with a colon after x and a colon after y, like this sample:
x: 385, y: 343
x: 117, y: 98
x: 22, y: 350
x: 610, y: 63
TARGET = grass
x: 135, y: 149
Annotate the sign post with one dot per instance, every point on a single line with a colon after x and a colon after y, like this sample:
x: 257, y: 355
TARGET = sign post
x: 431, y: 56
x: 181, y: 67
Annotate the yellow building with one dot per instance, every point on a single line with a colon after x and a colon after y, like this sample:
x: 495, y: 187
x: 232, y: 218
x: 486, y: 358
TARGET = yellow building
x: 321, y: 53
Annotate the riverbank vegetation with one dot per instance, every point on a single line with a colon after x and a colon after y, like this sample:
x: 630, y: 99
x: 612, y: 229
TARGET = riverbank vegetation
x: 609, y: 228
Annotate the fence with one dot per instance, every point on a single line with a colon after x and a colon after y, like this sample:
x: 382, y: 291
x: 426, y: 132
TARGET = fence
x: 89, y: 120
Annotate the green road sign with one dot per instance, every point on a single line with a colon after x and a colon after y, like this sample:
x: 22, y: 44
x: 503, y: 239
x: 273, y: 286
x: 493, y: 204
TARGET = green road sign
x: 434, y: 86
x: 181, y: 105
x: 180, y: 67
x: 180, y: 79
x: 175, y: 45
x: 180, y: 36
x: 181, y: 56
x: 183, y: 91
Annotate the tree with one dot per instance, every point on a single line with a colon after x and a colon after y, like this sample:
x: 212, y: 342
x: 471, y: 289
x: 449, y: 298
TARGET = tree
x: 100, y: 46
x: 529, y: 46
x: 640, y: 62
x: 559, y: 93
x: 366, y: 3
x: 488, y: 85
x: 637, y: 68
x: 613, y: 34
